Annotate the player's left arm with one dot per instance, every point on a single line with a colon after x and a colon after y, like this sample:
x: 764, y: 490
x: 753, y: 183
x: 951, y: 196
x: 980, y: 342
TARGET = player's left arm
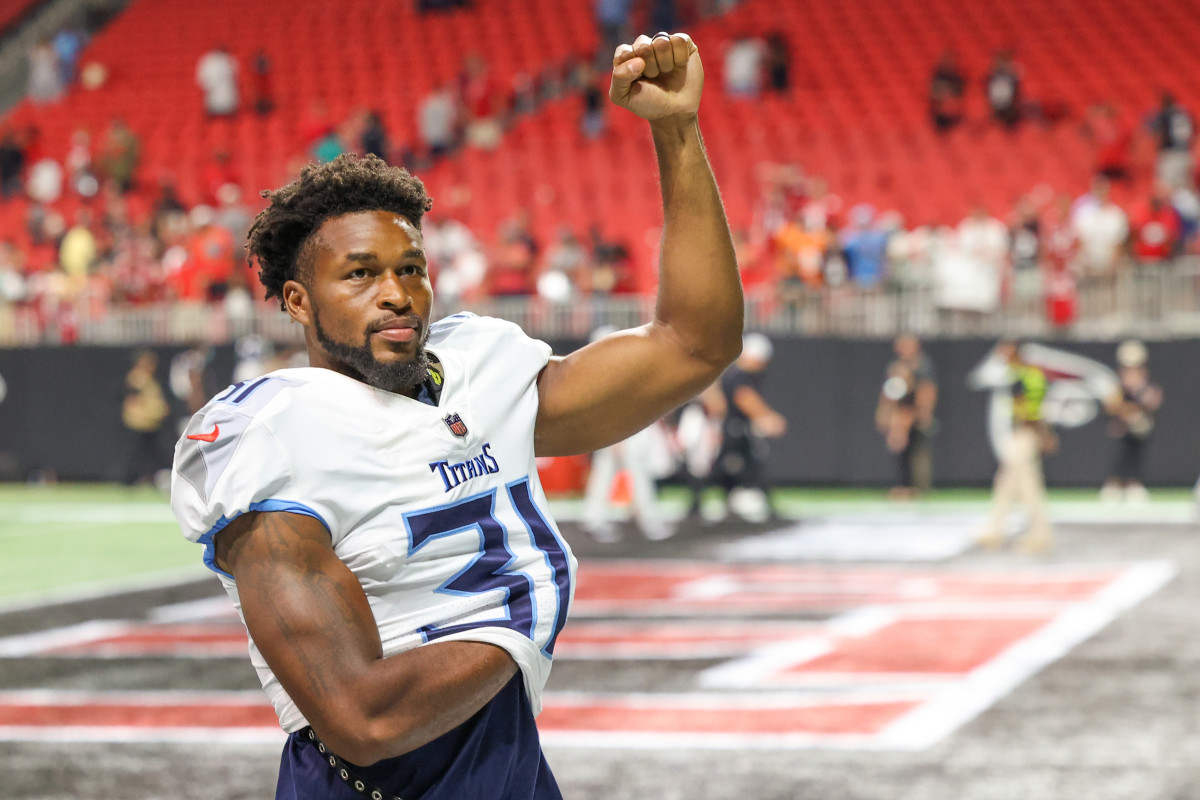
x: 618, y: 385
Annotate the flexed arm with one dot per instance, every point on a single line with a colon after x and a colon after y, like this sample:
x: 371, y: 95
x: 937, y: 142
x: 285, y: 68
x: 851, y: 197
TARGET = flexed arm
x: 611, y: 388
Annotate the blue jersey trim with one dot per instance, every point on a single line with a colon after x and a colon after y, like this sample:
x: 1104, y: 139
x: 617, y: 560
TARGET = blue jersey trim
x: 290, y: 506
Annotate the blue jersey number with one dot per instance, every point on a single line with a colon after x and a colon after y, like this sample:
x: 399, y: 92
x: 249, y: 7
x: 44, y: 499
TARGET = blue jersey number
x: 492, y: 567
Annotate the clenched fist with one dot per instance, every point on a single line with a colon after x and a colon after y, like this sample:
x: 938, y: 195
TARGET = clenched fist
x: 658, y: 77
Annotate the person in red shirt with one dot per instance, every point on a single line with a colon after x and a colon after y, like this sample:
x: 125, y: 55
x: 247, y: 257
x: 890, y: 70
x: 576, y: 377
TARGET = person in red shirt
x: 1156, y: 229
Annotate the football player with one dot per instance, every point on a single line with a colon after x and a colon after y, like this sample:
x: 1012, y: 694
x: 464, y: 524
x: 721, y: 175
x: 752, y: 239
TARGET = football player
x: 376, y: 517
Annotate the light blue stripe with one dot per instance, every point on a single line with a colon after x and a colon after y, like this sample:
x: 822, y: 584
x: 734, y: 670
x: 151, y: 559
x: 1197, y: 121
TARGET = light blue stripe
x: 290, y: 506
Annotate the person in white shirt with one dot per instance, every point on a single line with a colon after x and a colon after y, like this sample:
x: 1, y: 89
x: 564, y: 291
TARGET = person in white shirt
x: 216, y: 74
x: 377, y: 518
x: 1101, y: 227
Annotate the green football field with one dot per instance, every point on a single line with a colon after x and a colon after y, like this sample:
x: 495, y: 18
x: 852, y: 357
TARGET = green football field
x: 71, y: 538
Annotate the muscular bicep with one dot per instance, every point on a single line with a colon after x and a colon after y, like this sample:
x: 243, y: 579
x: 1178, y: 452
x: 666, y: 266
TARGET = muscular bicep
x: 614, y: 387
x: 303, y: 607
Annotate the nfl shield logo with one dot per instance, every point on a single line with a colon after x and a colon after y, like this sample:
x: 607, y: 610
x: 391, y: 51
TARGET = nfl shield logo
x: 455, y: 424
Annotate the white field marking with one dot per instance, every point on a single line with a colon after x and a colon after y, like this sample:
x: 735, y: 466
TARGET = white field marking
x: 36, y: 643
x: 722, y: 701
x: 96, y: 590
x: 204, y: 609
x: 980, y: 689
x: 89, y: 513
x: 165, y: 697
x: 628, y: 740
x: 764, y: 662
x: 117, y: 733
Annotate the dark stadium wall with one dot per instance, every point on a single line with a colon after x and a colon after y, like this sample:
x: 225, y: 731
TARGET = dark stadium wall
x: 61, y: 414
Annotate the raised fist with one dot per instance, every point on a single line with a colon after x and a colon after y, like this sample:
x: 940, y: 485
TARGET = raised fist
x: 658, y: 77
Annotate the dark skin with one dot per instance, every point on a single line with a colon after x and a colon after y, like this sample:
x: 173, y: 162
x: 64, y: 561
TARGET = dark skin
x: 365, y: 277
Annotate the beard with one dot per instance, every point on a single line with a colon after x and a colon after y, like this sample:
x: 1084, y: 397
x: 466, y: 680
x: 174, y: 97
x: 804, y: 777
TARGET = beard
x: 394, y: 376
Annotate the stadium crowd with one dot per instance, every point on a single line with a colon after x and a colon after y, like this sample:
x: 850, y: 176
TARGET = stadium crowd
x: 97, y: 233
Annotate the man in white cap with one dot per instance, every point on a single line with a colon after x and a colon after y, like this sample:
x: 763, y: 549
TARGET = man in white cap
x: 749, y: 422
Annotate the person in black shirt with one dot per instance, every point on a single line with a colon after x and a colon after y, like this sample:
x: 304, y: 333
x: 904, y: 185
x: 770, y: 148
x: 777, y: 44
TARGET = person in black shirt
x: 904, y: 415
x: 1132, y: 408
x: 739, y: 467
x: 946, y: 89
x: 1004, y: 90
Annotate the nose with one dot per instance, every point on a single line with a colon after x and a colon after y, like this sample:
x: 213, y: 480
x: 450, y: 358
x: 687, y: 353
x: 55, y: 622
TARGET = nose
x: 391, y: 293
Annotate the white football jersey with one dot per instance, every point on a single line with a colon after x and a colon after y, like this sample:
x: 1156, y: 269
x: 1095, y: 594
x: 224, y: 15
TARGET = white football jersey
x: 437, y: 510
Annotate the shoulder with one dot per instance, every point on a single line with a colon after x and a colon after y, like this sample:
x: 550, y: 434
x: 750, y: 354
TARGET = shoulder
x: 486, y: 337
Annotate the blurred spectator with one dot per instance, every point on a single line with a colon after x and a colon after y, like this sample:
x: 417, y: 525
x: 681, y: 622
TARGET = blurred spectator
x: 1004, y: 89
x: 1060, y: 248
x: 664, y: 15
x: 218, y: 172
x: 12, y: 163
x: 45, y: 81
x: 864, y: 246
x: 801, y: 246
x: 744, y: 58
x: 45, y: 181
x: 611, y: 271
x: 232, y: 214
x: 778, y: 62
x: 314, y: 125
x: 143, y: 412
x: 374, y: 139
x: 1175, y: 130
x: 459, y: 262
x: 1112, y: 136
x: 480, y: 99
x: 68, y: 45
x: 210, y: 250
x: 328, y: 147
x: 263, y: 87
x: 946, y: 89
x: 78, y: 162
x: 12, y: 273
x: 78, y: 251
x: 524, y: 98
x: 1025, y: 250
x: 216, y: 74
x: 595, y: 105
x: 1101, y: 228
x: 564, y: 267
x: 1155, y: 228
x: 438, y: 122
x: 119, y: 155
x: 612, y: 20
x: 425, y: 6
x: 968, y: 272
x: 513, y: 270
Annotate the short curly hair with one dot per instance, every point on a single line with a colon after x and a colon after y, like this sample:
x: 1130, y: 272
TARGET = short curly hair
x: 345, y: 185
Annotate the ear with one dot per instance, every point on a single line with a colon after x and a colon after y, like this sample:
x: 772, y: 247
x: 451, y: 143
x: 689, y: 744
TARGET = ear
x: 296, y: 302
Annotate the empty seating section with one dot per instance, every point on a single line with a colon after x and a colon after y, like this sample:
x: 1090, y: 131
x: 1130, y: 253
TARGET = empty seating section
x: 857, y: 114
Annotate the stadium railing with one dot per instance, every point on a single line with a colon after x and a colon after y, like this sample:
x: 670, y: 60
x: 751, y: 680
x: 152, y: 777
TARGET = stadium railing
x: 1158, y: 302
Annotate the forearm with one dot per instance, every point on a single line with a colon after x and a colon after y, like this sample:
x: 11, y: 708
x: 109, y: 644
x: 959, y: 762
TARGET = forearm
x: 414, y: 697
x: 700, y: 291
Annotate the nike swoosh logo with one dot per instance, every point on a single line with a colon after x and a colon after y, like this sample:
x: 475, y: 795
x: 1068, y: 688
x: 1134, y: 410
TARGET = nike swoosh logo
x: 206, y: 437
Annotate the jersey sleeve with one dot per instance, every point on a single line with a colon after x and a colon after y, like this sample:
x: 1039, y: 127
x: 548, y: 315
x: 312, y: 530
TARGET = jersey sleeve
x: 229, y: 463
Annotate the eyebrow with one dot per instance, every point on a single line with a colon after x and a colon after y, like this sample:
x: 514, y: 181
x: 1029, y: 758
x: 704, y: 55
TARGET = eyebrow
x: 369, y: 256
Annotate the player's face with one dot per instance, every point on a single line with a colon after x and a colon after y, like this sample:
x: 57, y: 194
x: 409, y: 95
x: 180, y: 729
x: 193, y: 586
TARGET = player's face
x: 369, y: 300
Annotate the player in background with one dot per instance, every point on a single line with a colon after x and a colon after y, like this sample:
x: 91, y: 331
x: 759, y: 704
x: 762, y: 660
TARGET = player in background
x: 640, y: 457
x: 1019, y: 477
x: 376, y: 517
x: 1132, y: 408
x: 904, y: 415
x: 740, y: 465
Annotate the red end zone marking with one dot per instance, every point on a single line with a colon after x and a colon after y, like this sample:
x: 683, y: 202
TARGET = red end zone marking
x: 598, y: 716
x: 853, y: 719
x: 928, y: 646
x: 190, y: 715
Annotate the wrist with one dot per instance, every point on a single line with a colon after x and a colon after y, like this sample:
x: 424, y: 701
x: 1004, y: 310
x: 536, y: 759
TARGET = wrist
x: 676, y: 129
